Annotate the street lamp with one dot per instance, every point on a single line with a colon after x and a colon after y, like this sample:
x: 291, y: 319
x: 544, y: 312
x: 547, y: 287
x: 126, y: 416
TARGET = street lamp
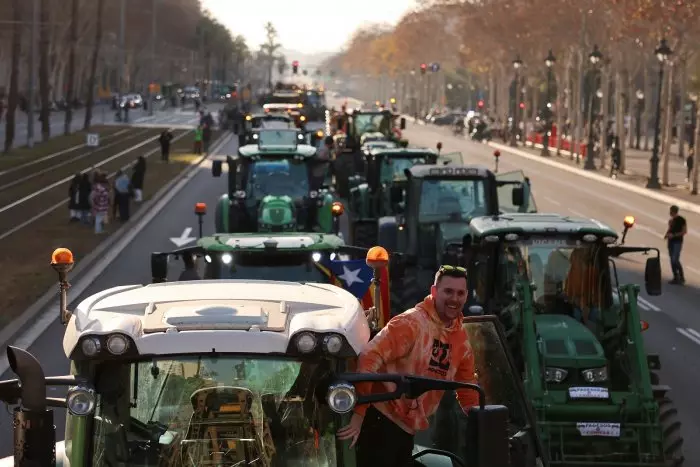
x: 640, y: 106
x: 662, y: 52
x: 550, y: 60
x: 517, y: 63
x: 595, y: 57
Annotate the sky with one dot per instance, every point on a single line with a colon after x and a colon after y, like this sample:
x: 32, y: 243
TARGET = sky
x: 308, y: 26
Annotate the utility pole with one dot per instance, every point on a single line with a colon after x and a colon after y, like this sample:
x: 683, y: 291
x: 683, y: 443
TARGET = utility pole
x: 153, y: 58
x: 32, y: 73
x: 122, y: 54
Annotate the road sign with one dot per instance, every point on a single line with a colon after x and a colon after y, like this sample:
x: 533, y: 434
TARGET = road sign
x: 93, y: 140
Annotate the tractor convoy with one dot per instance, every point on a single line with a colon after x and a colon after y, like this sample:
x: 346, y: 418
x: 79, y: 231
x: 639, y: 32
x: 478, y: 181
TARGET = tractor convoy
x: 243, y: 356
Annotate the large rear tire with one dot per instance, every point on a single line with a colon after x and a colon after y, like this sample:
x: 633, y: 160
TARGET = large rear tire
x: 671, y: 432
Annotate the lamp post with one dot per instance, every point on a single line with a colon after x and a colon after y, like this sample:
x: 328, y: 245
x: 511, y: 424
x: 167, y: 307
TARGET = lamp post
x: 662, y: 53
x: 640, y: 106
x: 517, y: 63
x: 693, y: 117
x: 550, y: 60
x: 594, y: 57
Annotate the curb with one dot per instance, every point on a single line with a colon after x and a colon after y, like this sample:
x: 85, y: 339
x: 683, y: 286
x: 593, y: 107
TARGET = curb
x: 20, y: 324
x: 685, y: 205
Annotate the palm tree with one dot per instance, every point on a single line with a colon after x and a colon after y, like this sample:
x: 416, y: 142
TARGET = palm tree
x: 12, y: 96
x: 70, y: 91
x: 89, y: 102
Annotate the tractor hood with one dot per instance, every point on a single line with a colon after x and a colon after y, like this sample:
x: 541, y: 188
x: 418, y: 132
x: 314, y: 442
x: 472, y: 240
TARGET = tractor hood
x: 276, y: 214
x: 568, y: 343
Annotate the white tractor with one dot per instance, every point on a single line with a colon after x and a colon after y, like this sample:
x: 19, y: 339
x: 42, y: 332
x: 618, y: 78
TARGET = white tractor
x: 218, y: 372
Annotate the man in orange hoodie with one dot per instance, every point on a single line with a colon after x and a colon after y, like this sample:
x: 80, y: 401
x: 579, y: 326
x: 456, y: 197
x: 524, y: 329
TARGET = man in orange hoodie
x: 429, y: 341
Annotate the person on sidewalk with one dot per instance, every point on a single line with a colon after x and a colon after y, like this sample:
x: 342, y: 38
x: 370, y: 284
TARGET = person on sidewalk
x: 198, y: 135
x: 677, y: 229
x: 427, y: 340
x: 100, y: 201
x: 165, y: 138
x: 122, y: 194
x: 137, y: 178
x: 84, y: 198
x: 689, y: 162
x: 74, y: 198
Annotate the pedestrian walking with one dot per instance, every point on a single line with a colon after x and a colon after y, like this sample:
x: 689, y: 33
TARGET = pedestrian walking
x: 137, y: 178
x: 99, y: 198
x: 84, y: 203
x: 689, y: 163
x: 74, y: 198
x: 122, y: 194
x: 198, y: 140
x: 677, y: 229
x: 206, y: 137
x: 165, y: 138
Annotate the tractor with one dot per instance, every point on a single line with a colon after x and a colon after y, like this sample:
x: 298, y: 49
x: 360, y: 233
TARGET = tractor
x: 577, y: 335
x: 438, y: 203
x: 240, y: 372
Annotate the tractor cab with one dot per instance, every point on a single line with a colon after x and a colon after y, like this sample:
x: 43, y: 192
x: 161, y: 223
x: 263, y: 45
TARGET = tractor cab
x: 254, y: 123
x: 439, y: 202
x: 275, y: 185
x: 576, y: 332
x: 241, y: 372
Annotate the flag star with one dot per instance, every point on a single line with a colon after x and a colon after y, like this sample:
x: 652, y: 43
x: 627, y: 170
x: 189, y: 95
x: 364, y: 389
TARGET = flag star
x: 350, y: 277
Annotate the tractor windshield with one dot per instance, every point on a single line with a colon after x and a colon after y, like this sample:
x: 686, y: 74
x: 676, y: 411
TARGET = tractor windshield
x: 569, y: 278
x: 278, y: 178
x: 371, y: 123
x: 392, y: 168
x: 213, y: 410
x: 285, y: 266
x: 452, y: 200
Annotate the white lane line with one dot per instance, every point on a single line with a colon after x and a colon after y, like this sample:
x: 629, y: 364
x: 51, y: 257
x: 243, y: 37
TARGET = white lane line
x: 550, y: 200
x: 691, y: 334
x: 648, y: 230
x: 647, y: 304
x: 578, y: 214
x: 642, y: 305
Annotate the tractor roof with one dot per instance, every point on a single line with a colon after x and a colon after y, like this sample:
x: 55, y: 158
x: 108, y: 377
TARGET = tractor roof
x: 283, y: 147
x: 449, y: 171
x: 534, y: 223
x: 402, y: 152
x: 287, y: 241
x: 222, y: 316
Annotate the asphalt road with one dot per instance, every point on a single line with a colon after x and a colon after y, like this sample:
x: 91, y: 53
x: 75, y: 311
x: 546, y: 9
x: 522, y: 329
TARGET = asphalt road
x: 674, y: 331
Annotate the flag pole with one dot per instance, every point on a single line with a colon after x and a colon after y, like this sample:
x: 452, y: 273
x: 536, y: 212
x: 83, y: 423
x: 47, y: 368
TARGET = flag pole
x: 377, y: 259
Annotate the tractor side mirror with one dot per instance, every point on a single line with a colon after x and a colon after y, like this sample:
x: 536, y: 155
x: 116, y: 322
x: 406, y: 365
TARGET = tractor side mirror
x: 216, y: 168
x: 518, y: 196
x: 159, y: 267
x: 487, y: 436
x: 652, y: 276
x: 402, y: 123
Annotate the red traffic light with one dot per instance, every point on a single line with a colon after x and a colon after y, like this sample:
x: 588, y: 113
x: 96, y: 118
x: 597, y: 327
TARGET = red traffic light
x: 423, y: 68
x: 295, y: 63
x: 522, y: 105
x: 481, y: 104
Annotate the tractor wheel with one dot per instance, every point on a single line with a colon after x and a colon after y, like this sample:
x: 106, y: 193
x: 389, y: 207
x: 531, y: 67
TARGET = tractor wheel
x: 364, y: 235
x: 671, y: 432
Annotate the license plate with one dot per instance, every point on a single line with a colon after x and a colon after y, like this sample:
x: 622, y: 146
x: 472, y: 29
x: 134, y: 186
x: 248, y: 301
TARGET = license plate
x: 599, y: 429
x: 587, y: 392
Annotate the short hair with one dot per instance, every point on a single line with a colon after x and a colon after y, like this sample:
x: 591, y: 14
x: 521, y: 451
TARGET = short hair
x: 450, y: 271
x: 674, y: 209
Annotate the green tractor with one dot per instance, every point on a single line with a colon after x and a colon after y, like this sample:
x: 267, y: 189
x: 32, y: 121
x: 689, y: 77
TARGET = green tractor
x: 361, y: 127
x: 439, y: 201
x: 377, y: 193
x: 576, y: 334
x: 275, y: 186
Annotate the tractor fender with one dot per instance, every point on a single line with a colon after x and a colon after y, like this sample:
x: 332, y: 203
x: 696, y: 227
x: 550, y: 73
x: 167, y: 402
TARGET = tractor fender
x: 357, y: 200
x: 221, y: 215
x: 388, y: 232
x: 324, y: 217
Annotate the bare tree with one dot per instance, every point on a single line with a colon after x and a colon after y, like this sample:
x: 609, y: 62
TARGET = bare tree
x: 90, y: 91
x: 14, y: 74
x: 70, y: 89
x: 44, y: 85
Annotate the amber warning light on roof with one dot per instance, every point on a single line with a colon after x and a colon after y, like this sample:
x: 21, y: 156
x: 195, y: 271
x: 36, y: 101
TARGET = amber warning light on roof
x: 377, y: 257
x: 62, y: 256
x: 629, y: 221
x: 200, y: 208
x: 337, y: 208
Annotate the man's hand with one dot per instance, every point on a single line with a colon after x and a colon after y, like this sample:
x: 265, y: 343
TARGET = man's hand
x: 352, y: 430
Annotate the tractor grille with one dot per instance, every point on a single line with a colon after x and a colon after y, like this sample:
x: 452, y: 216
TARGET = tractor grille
x: 585, y: 347
x: 556, y: 346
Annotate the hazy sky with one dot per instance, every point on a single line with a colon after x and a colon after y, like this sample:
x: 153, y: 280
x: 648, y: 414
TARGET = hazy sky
x: 307, y: 26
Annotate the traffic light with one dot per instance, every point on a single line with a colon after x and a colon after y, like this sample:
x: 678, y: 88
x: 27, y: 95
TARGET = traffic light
x: 295, y: 67
x: 522, y: 105
x: 423, y: 68
x: 481, y: 104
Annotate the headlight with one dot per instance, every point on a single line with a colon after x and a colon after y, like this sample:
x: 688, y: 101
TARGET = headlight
x: 555, y: 375
x: 595, y: 375
x: 226, y: 258
x: 80, y: 400
x: 240, y: 194
x: 306, y: 342
x: 333, y: 343
x: 341, y: 397
x: 316, y: 256
x: 117, y: 344
x: 313, y: 194
x: 91, y: 346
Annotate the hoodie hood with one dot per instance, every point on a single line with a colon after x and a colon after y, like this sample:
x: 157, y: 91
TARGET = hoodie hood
x: 427, y: 306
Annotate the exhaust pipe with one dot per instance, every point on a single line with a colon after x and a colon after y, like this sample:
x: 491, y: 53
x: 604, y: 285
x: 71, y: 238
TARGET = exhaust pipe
x: 34, y: 431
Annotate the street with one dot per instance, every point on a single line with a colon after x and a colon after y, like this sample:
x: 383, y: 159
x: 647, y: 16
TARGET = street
x: 674, y: 324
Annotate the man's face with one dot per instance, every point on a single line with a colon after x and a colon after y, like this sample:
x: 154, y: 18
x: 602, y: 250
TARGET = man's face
x: 673, y: 213
x: 450, y: 295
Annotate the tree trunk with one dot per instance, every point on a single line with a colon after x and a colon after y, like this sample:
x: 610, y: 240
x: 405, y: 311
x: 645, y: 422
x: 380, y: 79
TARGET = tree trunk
x: 680, y: 121
x: 605, y: 86
x: 561, y: 85
x: 648, y: 105
x: 668, y: 123
x: 70, y: 91
x: 13, y: 93
x: 44, y: 90
x: 90, y: 90
x: 620, y: 113
x: 576, y: 127
x: 696, y: 152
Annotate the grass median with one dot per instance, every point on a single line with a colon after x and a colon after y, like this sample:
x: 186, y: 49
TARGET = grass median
x: 24, y: 255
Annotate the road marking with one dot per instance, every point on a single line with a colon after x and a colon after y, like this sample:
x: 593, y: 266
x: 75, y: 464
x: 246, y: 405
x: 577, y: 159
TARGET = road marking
x: 556, y: 203
x: 184, y: 238
x: 578, y: 214
x: 647, y: 304
x: 642, y: 305
x: 691, y: 334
